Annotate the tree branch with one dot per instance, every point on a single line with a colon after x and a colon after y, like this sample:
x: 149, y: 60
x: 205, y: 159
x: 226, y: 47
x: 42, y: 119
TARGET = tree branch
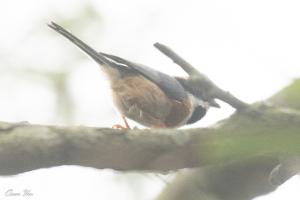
x: 243, y: 180
x: 210, y: 90
x: 187, y: 67
x: 288, y: 167
x: 248, y: 178
x: 25, y: 147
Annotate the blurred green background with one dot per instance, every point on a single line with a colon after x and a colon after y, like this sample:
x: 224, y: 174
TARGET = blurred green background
x: 250, y: 48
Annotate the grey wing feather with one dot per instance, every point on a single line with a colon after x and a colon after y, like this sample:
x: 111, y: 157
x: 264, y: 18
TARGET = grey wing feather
x: 167, y: 83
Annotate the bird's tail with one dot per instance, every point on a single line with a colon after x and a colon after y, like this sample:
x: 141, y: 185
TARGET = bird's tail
x: 98, y: 57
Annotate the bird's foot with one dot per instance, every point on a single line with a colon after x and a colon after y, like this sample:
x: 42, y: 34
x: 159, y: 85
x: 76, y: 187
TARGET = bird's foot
x: 118, y: 126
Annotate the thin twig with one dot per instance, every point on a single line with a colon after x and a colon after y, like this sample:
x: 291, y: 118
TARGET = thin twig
x: 230, y: 99
x: 210, y: 90
x: 187, y: 67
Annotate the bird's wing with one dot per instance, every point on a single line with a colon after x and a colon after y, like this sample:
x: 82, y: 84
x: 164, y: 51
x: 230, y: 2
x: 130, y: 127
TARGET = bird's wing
x: 167, y: 83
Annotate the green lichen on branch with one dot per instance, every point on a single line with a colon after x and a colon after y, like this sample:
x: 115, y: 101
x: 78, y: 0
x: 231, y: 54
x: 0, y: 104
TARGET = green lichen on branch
x: 266, y: 131
x: 288, y: 97
x: 259, y: 131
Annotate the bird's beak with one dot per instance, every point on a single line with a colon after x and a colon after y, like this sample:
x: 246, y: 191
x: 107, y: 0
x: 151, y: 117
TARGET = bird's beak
x: 213, y: 103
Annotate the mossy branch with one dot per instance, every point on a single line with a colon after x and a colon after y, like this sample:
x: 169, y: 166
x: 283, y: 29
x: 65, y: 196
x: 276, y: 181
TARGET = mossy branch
x: 272, y: 132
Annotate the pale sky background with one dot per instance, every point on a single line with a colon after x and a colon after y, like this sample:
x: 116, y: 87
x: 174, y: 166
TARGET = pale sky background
x: 250, y: 48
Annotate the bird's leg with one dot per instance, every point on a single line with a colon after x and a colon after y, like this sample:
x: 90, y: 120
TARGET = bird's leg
x: 126, y: 123
x: 118, y: 126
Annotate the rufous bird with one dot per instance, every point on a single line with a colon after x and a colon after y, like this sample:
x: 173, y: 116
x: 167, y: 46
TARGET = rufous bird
x: 145, y: 95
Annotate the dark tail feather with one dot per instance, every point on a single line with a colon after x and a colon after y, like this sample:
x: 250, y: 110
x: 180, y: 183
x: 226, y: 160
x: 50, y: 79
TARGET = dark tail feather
x: 98, y: 57
x: 117, y: 59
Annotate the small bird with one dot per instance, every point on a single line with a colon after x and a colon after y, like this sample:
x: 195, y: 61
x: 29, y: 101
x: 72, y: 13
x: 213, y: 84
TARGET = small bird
x: 147, y: 96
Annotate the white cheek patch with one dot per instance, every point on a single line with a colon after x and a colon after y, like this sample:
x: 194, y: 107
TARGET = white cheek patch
x: 198, y: 102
